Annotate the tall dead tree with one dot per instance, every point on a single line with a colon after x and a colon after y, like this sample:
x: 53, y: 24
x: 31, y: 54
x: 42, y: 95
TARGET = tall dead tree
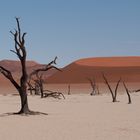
x: 114, y: 94
x: 20, y: 51
x: 127, y: 91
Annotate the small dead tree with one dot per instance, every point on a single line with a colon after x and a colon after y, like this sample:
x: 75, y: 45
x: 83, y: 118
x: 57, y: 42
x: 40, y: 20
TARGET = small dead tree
x: 36, y: 88
x: 39, y: 80
x: 30, y: 87
x: 33, y: 85
x: 114, y: 94
x: 69, y: 90
x: 20, y: 51
x: 39, y: 85
x: 92, y: 83
x: 127, y: 91
x: 95, y: 89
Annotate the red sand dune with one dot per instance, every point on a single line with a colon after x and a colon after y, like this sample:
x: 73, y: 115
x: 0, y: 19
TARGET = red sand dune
x: 77, y: 72
x: 15, y: 68
x: 128, y: 68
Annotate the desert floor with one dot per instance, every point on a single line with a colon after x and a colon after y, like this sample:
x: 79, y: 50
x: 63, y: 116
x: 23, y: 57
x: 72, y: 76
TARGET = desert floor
x: 78, y: 117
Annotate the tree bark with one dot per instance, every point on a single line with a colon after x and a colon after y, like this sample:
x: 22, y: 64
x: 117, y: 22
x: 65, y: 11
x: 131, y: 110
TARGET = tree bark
x: 41, y: 89
x: 24, y: 102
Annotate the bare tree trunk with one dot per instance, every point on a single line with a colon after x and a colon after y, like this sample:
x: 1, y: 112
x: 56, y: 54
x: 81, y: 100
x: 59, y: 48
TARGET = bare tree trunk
x: 97, y: 87
x: 69, y: 89
x: 127, y: 91
x: 37, y: 89
x: 23, y: 90
x: 24, y: 102
x: 106, y: 82
x: 116, y: 89
x: 41, y: 89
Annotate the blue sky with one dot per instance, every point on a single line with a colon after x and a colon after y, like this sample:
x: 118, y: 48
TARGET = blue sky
x: 72, y: 29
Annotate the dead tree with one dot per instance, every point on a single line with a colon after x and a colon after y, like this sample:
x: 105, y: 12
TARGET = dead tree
x: 39, y: 78
x: 39, y: 85
x: 95, y: 89
x: 45, y: 93
x: 30, y: 87
x: 114, y: 94
x: 20, y: 51
x: 127, y: 91
x: 37, y: 88
x: 69, y: 90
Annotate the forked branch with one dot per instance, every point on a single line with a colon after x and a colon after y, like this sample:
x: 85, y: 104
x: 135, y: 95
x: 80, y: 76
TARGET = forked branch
x: 114, y: 95
x: 116, y: 89
x: 19, y: 42
x: 46, y: 68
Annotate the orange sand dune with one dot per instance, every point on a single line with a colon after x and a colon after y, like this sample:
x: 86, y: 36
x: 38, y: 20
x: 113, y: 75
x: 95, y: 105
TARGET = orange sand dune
x: 110, y: 61
x: 128, y: 68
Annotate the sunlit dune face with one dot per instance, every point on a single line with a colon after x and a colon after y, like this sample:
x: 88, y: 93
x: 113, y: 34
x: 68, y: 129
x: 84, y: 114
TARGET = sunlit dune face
x: 110, y: 61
